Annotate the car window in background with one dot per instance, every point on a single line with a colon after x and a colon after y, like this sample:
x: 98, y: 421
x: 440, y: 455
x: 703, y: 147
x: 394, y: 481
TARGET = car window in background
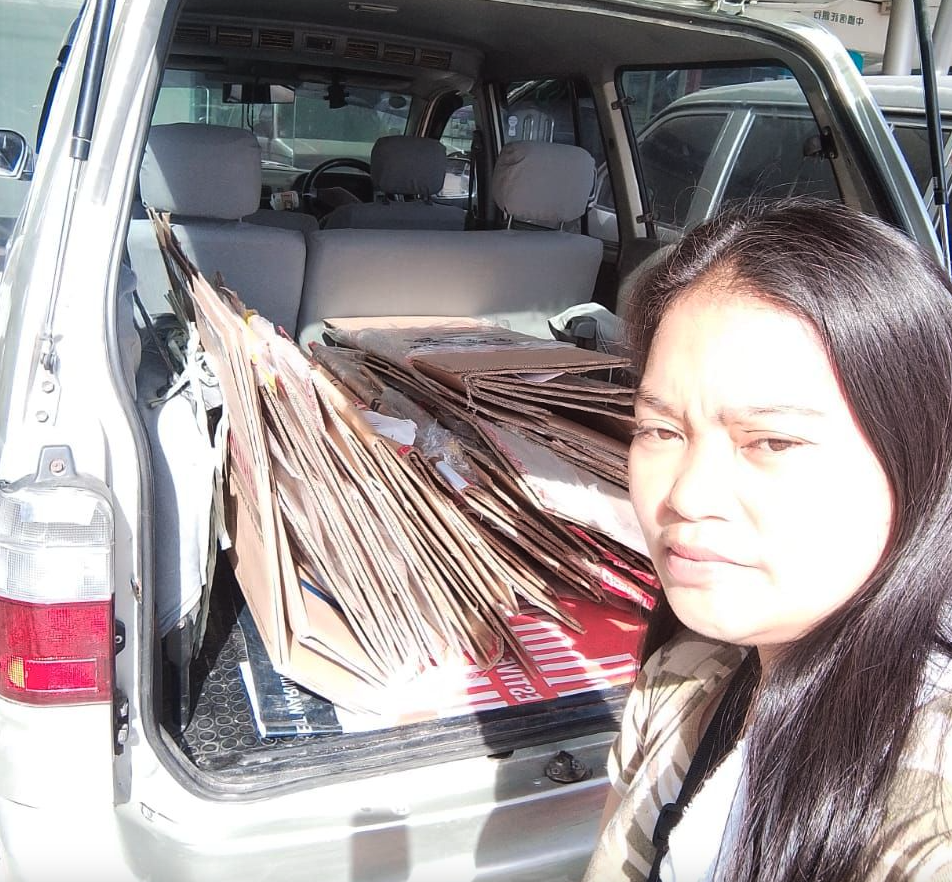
x: 913, y: 139
x: 707, y: 135
x: 31, y: 34
x: 538, y: 110
x: 773, y: 163
x: 299, y: 133
x: 674, y: 154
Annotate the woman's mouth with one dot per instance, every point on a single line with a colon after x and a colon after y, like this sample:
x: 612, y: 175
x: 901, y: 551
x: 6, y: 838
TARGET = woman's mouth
x: 695, y: 564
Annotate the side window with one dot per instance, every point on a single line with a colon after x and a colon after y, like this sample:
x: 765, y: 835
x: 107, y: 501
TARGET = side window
x: 538, y: 110
x: 674, y: 153
x: 913, y: 140
x: 457, y: 138
x: 687, y: 124
x: 774, y: 163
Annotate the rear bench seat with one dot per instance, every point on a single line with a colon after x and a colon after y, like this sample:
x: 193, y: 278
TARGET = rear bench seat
x: 518, y: 277
x: 209, y: 178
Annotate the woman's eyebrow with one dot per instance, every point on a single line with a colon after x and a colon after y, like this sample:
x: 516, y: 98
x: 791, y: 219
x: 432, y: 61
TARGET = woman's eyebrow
x: 649, y: 399
x: 728, y: 415
x: 771, y: 410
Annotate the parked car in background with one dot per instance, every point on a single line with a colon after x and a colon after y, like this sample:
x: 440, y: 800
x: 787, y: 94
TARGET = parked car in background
x: 31, y: 34
x: 719, y: 145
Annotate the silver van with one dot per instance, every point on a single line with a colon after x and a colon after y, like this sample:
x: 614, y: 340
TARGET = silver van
x: 130, y: 749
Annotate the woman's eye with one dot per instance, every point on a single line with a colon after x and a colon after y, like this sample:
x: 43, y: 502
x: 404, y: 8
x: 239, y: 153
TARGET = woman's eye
x: 656, y: 433
x: 772, y: 445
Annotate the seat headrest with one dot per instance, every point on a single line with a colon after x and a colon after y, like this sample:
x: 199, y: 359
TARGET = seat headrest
x: 543, y: 182
x: 201, y: 171
x: 409, y: 166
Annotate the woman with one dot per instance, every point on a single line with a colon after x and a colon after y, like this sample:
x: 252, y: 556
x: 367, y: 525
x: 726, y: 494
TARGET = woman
x: 792, y: 472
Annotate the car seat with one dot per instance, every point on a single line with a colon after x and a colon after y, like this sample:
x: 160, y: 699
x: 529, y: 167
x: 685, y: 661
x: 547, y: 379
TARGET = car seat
x: 407, y: 172
x: 209, y: 179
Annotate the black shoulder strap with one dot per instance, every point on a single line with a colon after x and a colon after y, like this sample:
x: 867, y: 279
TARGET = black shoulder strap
x: 719, y: 738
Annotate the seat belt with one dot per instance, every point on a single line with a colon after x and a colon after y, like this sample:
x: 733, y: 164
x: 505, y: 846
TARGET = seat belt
x: 719, y: 739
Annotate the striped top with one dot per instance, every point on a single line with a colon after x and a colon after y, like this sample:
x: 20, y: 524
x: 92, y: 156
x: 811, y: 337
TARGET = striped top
x: 660, y: 734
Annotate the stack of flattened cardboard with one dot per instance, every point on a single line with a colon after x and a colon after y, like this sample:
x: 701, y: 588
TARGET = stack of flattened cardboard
x: 539, y: 387
x: 587, y: 530
x: 385, y: 525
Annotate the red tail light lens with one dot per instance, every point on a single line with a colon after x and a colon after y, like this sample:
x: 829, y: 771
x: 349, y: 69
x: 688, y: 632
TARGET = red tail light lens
x: 58, y: 653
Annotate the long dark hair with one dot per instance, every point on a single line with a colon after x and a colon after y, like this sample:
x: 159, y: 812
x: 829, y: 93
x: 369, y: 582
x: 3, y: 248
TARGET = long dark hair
x: 831, y: 717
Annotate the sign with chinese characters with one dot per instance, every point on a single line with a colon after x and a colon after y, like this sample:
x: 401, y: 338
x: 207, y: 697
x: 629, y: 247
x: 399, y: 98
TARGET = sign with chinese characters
x: 861, y: 25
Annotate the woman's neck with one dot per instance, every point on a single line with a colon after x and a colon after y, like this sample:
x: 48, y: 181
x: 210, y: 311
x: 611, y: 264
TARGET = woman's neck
x: 767, y: 654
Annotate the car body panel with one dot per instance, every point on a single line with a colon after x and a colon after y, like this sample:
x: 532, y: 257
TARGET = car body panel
x: 133, y: 807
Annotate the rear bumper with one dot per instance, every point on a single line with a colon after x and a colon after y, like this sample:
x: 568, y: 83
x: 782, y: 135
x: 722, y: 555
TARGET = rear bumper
x: 470, y: 821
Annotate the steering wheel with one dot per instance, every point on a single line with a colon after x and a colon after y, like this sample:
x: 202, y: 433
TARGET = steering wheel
x: 309, y: 186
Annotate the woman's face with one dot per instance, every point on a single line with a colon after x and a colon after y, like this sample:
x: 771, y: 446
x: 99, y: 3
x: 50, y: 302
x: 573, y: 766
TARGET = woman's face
x: 762, y: 503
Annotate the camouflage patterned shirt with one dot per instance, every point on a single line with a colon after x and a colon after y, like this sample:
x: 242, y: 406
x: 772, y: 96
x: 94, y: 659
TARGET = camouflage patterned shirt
x: 660, y: 734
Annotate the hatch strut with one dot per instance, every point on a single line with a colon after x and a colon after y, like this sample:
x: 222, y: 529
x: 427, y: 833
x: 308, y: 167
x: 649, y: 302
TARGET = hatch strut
x: 934, y: 126
x: 83, y: 123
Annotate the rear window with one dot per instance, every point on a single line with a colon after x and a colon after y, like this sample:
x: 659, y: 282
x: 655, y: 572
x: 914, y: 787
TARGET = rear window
x: 301, y: 133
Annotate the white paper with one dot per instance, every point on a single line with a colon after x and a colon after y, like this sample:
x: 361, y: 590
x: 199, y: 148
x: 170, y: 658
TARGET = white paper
x: 401, y: 431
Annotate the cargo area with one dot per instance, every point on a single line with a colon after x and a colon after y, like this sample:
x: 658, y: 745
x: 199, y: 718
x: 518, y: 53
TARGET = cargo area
x: 459, y: 174
x: 534, y: 638
x: 221, y: 737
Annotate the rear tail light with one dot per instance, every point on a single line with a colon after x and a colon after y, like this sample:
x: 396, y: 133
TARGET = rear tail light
x: 56, y: 610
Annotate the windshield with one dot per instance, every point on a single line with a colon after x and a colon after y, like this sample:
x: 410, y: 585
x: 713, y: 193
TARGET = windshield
x: 299, y: 134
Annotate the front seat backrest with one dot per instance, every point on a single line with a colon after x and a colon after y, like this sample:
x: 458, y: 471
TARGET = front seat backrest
x: 209, y: 178
x: 407, y: 172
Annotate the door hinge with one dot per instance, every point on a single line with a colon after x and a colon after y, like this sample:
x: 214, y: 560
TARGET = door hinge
x: 120, y: 721
x: 822, y: 145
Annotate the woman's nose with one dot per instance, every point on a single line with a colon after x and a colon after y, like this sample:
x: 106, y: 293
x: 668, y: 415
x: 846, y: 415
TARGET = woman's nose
x: 701, y: 484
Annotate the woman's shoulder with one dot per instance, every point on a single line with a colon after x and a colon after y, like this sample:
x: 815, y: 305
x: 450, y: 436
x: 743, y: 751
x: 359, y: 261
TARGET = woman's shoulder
x: 678, y: 681
x: 917, y: 833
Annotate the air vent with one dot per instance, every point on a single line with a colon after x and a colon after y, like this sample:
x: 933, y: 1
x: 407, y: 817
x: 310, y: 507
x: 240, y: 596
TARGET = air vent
x: 319, y: 43
x: 365, y: 49
x: 435, y: 59
x: 239, y: 38
x: 193, y: 35
x: 398, y: 54
x: 271, y: 39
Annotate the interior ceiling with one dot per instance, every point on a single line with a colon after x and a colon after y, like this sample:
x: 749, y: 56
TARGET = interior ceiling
x: 516, y: 39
